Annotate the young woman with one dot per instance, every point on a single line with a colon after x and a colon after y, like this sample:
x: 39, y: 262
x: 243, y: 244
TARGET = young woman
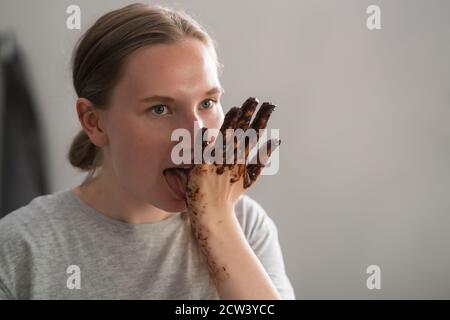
x: 141, y: 226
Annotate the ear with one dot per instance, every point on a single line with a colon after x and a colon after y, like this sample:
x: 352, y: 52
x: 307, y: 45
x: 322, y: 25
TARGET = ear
x: 91, y: 122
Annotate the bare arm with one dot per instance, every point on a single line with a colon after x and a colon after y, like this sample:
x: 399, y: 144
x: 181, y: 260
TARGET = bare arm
x: 236, y: 270
x: 212, y: 192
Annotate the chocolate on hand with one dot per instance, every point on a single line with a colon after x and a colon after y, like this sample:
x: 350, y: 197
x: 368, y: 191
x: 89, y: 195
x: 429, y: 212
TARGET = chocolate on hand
x: 240, y: 118
x: 201, y: 197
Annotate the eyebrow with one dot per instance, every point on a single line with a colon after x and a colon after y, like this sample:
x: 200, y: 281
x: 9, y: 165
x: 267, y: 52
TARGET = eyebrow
x: 212, y: 91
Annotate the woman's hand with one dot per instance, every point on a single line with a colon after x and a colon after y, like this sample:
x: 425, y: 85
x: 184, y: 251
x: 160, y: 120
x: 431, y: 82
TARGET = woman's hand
x: 213, y: 189
x: 218, y: 185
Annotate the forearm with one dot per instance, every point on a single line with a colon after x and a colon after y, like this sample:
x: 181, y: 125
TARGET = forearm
x: 236, y: 270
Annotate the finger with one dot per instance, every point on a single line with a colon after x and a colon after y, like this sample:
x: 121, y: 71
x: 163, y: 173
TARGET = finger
x: 250, y: 140
x: 253, y: 170
x: 259, y: 123
x: 262, y: 116
x: 199, y: 145
x: 229, y: 122
x: 209, y: 152
x: 247, y: 111
x: 238, y: 173
x: 204, y: 143
x: 242, y: 170
x: 247, y: 181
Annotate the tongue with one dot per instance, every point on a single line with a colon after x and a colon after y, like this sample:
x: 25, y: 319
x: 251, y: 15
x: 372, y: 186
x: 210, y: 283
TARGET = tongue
x: 177, y: 181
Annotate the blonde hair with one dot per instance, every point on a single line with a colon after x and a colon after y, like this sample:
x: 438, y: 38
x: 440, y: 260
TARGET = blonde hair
x: 101, y: 52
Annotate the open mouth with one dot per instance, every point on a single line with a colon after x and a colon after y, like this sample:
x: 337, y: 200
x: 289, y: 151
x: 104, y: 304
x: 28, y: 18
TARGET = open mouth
x: 176, y: 179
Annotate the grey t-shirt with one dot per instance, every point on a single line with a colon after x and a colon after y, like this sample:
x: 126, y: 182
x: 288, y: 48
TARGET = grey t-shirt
x: 58, y: 247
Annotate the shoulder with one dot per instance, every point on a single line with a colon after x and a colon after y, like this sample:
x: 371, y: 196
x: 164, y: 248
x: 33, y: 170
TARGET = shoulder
x: 23, y: 235
x: 254, y: 220
x: 262, y: 235
x: 29, y: 237
x: 27, y: 225
x: 31, y: 216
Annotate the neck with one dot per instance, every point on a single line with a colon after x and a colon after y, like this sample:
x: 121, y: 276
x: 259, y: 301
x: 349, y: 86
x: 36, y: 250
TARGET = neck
x: 108, y: 198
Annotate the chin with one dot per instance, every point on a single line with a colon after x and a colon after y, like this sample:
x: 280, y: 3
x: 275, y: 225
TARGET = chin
x: 173, y: 205
x: 160, y: 195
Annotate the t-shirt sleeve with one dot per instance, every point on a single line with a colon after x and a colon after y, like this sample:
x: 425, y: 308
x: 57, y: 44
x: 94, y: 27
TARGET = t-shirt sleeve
x: 262, y: 235
x: 14, y: 265
x: 8, y: 250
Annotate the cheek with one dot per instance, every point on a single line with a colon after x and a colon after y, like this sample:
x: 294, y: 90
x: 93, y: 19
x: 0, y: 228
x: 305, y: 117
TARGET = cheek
x: 216, y: 120
x: 137, y: 146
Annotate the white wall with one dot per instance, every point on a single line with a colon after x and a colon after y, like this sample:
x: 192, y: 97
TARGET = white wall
x: 363, y: 115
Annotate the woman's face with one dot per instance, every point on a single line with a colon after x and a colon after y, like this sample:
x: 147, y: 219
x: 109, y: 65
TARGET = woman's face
x: 162, y: 88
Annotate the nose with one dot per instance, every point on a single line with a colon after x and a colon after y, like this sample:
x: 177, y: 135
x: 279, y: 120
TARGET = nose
x: 193, y: 123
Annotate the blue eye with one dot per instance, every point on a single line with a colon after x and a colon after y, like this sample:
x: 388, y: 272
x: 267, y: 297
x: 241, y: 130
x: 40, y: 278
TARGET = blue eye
x: 208, y: 103
x: 159, y: 110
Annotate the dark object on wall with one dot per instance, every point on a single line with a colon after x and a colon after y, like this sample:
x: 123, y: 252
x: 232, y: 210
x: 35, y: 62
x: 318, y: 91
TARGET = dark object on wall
x: 21, y: 162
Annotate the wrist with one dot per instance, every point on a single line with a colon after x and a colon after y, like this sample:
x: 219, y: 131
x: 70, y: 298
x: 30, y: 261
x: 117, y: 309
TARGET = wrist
x: 218, y: 219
